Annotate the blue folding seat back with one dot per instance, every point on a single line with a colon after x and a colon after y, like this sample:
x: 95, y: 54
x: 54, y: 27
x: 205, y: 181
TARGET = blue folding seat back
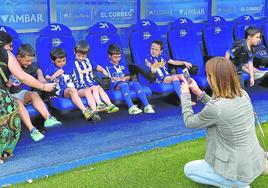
x: 143, y: 33
x: 55, y: 36
x: 100, y: 36
x: 16, y: 42
x: 218, y: 36
x: 184, y: 45
x: 242, y: 23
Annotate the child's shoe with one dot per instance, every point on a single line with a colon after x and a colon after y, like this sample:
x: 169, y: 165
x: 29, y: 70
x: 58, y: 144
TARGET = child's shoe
x: 113, y: 109
x: 260, y: 74
x: 134, y: 110
x: 102, y: 107
x: 88, y: 114
x: 149, y: 109
x: 96, y: 117
x: 52, y: 122
x: 36, y: 135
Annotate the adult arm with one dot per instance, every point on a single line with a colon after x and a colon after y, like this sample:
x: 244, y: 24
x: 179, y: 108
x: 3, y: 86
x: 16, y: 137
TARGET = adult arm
x: 17, y: 71
x: 250, y: 70
x: 40, y: 76
x: 207, y: 116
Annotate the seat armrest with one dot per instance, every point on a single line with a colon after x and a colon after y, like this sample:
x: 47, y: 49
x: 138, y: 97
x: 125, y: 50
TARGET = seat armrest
x: 143, y: 70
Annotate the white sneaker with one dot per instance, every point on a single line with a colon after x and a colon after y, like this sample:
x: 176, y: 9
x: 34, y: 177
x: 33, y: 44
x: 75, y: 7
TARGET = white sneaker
x: 134, y: 110
x: 149, y: 109
x: 260, y: 74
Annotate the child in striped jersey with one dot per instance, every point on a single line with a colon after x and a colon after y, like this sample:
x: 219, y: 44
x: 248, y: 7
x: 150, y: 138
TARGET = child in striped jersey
x: 61, y: 74
x: 122, y: 81
x: 85, y: 81
x: 158, y: 65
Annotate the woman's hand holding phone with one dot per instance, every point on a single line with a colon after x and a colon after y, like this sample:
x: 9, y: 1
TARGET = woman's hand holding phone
x: 195, y: 88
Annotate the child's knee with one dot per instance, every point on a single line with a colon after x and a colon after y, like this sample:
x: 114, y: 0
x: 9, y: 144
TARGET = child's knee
x: 72, y: 91
x: 88, y: 90
x: 18, y: 101
x: 175, y: 77
x: 34, y: 94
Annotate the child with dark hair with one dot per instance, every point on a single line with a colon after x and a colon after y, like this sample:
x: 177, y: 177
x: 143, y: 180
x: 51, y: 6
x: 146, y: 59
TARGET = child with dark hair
x: 158, y: 65
x: 63, y: 76
x: 86, y: 83
x: 122, y: 81
x: 242, y: 54
x: 25, y: 58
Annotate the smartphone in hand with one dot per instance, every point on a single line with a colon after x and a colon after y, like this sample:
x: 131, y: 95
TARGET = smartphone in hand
x: 186, y: 75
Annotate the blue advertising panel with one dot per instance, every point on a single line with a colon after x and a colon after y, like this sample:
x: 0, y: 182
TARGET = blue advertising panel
x: 81, y: 13
x: 24, y: 14
x: 229, y: 9
x: 163, y: 11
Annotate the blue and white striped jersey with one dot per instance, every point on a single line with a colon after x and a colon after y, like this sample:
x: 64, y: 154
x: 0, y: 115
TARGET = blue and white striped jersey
x: 83, y: 72
x: 117, y: 70
x: 161, y: 72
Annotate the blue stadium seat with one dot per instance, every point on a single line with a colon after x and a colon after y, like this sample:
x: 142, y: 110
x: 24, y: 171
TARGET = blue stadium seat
x: 53, y: 36
x: 218, y: 36
x: 143, y: 33
x: 241, y: 24
x: 99, y: 37
x: 15, y: 37
x: 184, y: 45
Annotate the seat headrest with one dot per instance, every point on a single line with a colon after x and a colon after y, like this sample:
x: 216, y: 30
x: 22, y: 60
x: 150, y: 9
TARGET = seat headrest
x: 245, y: 19
x: 144, y: 25
x: 181, y: 23
x: 55, y: 29
x: 102, y: 27
x: 216, y: 20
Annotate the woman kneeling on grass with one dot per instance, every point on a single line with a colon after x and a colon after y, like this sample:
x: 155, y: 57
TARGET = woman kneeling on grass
x: 234, y: 157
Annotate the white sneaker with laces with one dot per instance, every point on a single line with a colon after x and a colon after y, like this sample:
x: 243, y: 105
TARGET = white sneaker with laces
x: 260, y: 74
x: 149, y: 109
x: 134, y: 110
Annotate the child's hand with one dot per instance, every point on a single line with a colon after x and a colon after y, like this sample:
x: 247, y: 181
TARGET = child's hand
x: 105, y: 73
x: 48, y: 87
x: 153, y: 70
x: 48, y: 77
x: 162, y: 64
x: 187, y: 65
x: 251, y: 81
x: 85, y: 71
